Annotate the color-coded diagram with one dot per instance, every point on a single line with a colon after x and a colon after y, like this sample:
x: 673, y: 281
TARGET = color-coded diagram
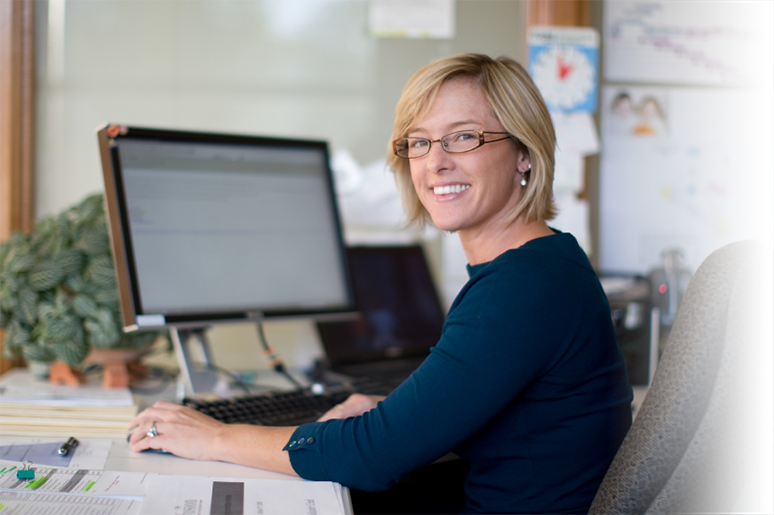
x: 710, y: 43
x: 729, y: 187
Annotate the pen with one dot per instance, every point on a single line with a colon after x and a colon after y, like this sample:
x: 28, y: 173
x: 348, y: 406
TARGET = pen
x: 66, y: 447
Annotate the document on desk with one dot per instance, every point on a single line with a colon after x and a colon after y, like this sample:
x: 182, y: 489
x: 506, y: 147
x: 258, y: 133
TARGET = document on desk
x: 26, y: 503
x: 179, y: 495
x: 75, y: 481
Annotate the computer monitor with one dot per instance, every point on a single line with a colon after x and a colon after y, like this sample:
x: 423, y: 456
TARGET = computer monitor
x: 212, y: 228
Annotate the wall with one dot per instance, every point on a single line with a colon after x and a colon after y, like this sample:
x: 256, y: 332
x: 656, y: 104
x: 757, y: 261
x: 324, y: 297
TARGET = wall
x: 302, y: 68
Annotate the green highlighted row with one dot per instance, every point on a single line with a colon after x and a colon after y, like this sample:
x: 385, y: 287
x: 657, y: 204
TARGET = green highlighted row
x: 37, y: 483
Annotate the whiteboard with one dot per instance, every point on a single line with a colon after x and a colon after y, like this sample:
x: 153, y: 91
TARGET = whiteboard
x: 701, y: 177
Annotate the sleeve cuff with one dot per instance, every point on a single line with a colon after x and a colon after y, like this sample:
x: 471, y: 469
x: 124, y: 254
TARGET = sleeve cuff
x: 304, y: 449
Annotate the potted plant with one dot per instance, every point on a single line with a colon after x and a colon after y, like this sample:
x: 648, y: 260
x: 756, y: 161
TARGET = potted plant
x: 58, y: 294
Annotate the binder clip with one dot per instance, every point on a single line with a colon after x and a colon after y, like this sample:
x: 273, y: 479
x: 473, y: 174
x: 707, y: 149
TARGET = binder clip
x: 26, y: 473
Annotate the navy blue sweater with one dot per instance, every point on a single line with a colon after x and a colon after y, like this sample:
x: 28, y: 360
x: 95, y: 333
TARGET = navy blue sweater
x: 526, y: 383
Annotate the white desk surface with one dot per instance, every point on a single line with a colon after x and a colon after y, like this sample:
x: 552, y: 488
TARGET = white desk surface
x: 122, y: 459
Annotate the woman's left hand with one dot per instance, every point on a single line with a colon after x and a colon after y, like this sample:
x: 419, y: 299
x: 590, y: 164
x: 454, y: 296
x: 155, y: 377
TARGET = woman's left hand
x: 180, y: 430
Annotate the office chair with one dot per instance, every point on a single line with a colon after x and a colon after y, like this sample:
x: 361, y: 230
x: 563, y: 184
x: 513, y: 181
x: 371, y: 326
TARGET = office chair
x: 701, y: 441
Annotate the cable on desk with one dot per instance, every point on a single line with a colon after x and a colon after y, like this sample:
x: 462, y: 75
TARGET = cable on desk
x: 235, y: 379
x: 274, y: 359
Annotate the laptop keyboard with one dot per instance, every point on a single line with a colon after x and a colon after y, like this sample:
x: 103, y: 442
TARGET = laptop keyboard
x: 390, y: 372
x: 289, y: 408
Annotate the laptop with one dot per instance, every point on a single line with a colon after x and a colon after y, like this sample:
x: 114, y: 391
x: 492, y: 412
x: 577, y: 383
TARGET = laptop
x: 400, y: 316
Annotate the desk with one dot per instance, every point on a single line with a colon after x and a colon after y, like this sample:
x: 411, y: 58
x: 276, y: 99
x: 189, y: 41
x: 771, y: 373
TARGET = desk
x: 121, y: 459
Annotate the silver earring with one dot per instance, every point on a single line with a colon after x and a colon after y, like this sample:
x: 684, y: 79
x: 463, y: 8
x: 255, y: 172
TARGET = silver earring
x: 523, y: 179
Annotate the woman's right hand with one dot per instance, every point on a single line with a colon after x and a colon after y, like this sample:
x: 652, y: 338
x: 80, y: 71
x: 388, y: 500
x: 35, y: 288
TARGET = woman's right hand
x: 179, y: 430
x: 191, y: 434
x: 355, y: 405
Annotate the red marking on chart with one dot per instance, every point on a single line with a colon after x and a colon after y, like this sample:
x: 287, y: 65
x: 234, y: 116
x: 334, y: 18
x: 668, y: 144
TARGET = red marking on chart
x: 563, y: 67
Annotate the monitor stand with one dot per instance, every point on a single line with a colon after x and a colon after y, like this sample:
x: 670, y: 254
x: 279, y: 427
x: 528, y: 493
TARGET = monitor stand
x: 198, y: 376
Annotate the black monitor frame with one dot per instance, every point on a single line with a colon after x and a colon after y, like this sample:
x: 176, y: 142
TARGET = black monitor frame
x: 191, y: 325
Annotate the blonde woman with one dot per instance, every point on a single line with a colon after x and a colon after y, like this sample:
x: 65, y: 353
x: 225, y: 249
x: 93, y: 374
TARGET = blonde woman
x: 526, y: 383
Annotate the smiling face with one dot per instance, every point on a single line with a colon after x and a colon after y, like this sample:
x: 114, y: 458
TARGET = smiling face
x: 473, y: 192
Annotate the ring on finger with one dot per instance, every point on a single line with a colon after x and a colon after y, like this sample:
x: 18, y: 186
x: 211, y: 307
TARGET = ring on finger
x: 152, y: 432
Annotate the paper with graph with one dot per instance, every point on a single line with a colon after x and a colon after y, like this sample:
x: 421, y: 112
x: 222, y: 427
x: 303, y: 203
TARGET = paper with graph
x: 708, y: 43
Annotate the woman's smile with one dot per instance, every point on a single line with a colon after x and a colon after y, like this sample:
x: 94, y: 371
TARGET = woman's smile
x: 444, y: 192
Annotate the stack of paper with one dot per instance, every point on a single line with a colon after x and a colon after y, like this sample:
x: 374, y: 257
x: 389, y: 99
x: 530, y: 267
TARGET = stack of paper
x: 30, y: 407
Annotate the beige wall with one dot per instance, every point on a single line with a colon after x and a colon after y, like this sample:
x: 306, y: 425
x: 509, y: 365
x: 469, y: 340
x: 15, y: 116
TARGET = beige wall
x: 303, y: 68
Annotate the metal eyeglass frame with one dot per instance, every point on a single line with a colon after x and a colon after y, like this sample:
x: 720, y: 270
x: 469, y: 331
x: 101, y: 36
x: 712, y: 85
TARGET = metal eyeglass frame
x: 481, y: 142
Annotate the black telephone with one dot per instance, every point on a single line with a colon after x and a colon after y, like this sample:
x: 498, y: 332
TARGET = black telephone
x: 668, y: 285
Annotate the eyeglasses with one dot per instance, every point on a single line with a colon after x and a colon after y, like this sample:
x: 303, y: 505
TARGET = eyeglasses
x: 456, y: 143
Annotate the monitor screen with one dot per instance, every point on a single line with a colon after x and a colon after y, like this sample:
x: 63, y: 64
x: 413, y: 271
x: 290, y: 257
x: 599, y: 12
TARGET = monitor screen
x: 211, y: 227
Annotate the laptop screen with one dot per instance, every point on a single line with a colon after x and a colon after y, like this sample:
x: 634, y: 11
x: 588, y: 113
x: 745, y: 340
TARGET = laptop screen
x: 400, y: 312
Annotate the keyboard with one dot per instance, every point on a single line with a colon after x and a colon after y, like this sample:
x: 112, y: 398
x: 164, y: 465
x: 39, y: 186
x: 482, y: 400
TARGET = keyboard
x: 289, y: 408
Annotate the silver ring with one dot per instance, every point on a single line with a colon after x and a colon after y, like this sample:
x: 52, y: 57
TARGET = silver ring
x: 152, y: 432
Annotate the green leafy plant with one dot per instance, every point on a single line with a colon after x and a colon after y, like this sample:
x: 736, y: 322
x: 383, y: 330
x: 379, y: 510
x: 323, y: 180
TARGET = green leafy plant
x: 58, y: 294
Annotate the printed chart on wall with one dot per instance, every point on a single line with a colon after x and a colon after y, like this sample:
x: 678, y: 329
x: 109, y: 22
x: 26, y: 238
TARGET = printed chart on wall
x: 688, y: 169
x: 698, y: 42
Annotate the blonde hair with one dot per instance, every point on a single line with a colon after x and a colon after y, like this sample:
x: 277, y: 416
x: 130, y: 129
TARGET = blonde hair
x: 514, y: 100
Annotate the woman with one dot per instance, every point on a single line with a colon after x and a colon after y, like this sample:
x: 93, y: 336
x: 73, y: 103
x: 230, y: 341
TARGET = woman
x: 526, y: 383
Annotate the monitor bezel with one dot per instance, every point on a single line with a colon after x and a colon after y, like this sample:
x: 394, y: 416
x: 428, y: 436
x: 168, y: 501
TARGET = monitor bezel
x: 133, y: 315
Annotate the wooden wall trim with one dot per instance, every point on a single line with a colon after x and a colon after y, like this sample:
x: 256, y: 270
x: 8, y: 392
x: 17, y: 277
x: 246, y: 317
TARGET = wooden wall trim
x: 17, y: 117
x: 17, y: 100
x: 27, y: 121
x: 572, y: 13
x: 9, y: 107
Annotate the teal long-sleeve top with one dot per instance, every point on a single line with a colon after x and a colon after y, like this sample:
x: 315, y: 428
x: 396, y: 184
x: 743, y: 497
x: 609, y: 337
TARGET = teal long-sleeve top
x: 526, y: 383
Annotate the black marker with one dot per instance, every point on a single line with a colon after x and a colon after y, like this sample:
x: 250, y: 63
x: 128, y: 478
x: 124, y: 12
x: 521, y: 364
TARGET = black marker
x: 66, y: 447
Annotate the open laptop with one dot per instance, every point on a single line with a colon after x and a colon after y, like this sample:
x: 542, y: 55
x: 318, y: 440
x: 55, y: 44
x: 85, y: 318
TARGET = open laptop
x: 400, y: 316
